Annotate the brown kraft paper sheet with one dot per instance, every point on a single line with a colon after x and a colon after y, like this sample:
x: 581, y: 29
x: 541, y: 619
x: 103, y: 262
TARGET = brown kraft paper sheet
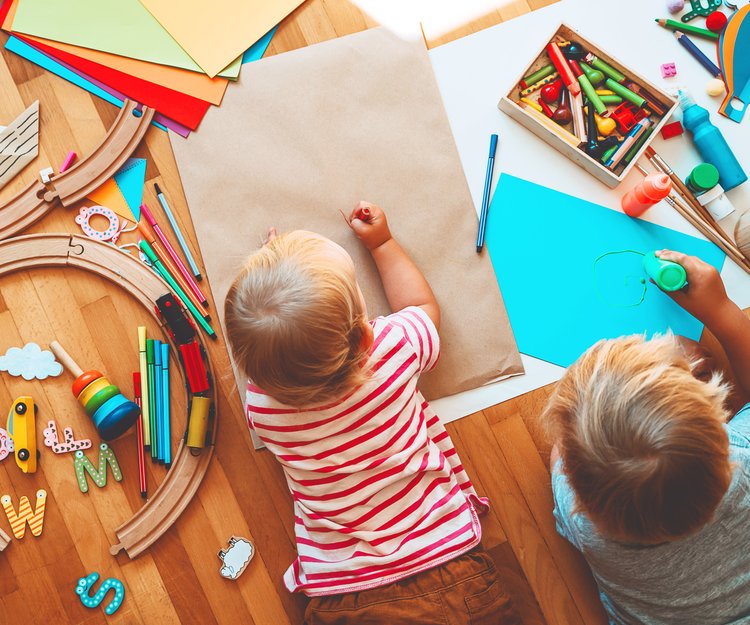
x: 312, y: 131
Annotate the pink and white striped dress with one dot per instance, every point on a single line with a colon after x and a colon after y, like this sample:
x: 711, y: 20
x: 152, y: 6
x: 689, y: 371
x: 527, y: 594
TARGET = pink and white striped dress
x: 379, y: 491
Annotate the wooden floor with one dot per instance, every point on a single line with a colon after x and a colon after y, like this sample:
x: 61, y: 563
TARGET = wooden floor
x: 177, y: 580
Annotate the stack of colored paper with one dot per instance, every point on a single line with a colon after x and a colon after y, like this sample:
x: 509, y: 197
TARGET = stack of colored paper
x: 175, y: 58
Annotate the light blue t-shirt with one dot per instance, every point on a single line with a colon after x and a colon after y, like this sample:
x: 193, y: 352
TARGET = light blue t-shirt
x: 700, y: 580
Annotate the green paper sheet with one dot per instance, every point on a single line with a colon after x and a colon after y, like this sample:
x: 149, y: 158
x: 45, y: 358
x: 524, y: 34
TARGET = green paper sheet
x: 122, y: 27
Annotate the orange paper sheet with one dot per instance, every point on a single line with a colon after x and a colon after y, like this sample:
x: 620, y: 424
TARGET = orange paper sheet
x: 191, y: 83
x: 109, y: 195
x: 217, y: 32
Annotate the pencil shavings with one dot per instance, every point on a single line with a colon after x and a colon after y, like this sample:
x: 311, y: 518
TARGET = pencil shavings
x: 19, y: 143
x: 30, y: 362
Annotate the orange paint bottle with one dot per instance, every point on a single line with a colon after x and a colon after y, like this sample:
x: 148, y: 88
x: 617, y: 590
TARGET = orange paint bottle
x: 653, y: 189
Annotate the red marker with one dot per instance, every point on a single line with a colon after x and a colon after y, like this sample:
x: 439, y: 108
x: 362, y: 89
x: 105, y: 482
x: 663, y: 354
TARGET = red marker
x: 363, y: 214
x: 139, y: 434
x: 562, y: 67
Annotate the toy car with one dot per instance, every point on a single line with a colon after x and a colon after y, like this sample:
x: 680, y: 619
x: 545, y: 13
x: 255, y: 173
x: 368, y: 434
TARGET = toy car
x: 22, y: 428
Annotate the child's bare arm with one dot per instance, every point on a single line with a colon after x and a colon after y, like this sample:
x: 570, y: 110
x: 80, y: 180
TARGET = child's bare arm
x: 403, y: 282
x: 706, y: 299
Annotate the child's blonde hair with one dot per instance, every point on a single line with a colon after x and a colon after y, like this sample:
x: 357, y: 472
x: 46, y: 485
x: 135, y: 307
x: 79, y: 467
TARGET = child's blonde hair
x: 296, y: 321
x: 642, y: 441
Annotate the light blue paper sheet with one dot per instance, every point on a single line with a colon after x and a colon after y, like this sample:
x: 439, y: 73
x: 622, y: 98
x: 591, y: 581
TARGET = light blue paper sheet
x: 562, y: 294
x: 258, y: 49
x: 130, y: 178
x: 33, y: 55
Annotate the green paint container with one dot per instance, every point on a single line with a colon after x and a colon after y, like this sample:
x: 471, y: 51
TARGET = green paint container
x: 703, y: 177
x: 668, y: 275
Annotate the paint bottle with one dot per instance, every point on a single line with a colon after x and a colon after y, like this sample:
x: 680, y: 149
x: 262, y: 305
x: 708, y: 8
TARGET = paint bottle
x: 711, y: 144
x: 716, y: 202
x: 703, y: 177
x: 651, y: 190
x: 668, y: 275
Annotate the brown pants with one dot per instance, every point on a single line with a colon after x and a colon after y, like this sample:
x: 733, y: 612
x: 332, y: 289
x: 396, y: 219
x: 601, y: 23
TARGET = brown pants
x: 463, y: 591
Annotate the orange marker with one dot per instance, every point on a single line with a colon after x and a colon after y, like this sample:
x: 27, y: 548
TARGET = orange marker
x: 167, y: 262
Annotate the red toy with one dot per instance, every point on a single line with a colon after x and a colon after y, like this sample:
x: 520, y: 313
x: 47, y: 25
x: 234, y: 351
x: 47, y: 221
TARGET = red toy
x: 671, y: 130
x: 716, y: 21
x: 627, y: 115
x: 551, y: 92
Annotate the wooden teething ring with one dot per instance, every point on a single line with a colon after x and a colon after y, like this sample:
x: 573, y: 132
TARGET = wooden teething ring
x: 186, y: 474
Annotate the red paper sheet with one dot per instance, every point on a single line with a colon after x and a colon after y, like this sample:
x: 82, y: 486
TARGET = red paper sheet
x: 182, y: 108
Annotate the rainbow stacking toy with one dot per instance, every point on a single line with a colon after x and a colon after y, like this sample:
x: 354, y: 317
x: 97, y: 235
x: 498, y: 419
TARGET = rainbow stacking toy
x: 112, y: 413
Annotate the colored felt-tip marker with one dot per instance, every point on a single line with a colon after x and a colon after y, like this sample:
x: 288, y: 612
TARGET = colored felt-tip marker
x: 143, y: 366
x: 486, y: 193
x: 153, y: 412
x: 158, y: 402
x: 139, y: 434
x: 177, y: 232
x: 165, y: 408
x: 149, y: 252
x: 146, y: 212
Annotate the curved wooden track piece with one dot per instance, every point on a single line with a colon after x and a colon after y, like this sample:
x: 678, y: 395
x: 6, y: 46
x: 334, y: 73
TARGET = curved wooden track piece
x: 37, y: 199
x: 186, y: 474
x: 4, y: 540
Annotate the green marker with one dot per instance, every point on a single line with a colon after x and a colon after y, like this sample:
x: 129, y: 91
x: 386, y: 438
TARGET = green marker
x: 149, y: 252
x: 605, y: 68
x: 606, y: 156
x: 638, y: 145
x: 626, y: 93
x: 668, y: 275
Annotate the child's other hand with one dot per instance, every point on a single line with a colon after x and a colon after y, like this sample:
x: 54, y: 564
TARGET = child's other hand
x: 269, y: 237
x: 371, y: 229
x: 705, y: 295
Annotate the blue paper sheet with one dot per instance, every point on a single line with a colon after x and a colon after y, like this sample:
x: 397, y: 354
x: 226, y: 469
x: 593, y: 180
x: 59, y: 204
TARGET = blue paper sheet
x: 258, y: 49
x: 130, y: 178
x: 33, y: 55
x: 571, y: 272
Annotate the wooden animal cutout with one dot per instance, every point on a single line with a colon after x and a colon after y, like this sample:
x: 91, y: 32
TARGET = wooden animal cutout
x: 70, y: 444
x: 106, y: 456
x: 236, y: 558
x: 84, y: 585
x: 18, y: 521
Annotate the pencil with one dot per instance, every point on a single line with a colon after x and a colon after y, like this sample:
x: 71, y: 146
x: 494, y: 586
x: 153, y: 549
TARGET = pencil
x: 686, y: 28
x: 158, y: 402
x: 696, y: 53
x: 139, y: 435
x: 178, y: 233
x: 145, y: 407
x: 152, y: 397
x: 165, y: 410
x: 486, y: 193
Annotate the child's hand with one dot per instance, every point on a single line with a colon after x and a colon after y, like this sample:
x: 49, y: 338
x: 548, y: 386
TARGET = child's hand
x: 269, y: 237
x: 705, y: 296
x: 372, y: 229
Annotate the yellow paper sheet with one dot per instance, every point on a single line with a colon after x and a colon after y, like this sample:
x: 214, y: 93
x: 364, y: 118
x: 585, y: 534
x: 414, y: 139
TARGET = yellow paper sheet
x: 182, y: 80
x: 109, y: 195
x: 217, y: 32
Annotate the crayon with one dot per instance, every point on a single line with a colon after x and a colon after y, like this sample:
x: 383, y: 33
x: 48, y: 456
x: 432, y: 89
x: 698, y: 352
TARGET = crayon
x: 626, y: 93
x: 539, y: 84
x: 605, y: 68
x: 686, y: 28
x: 537, y: 75
x: 560, y: 63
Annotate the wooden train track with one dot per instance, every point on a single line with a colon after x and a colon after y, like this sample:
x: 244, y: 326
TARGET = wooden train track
x: 37, y: 199
x: 184, y: 478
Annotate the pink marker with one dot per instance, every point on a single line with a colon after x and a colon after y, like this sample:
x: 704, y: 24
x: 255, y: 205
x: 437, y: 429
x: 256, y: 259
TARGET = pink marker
x: 173, y: 255
x: 68, y: 161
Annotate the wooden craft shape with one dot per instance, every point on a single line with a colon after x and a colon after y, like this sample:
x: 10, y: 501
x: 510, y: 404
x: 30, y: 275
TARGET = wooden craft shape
x: 18, y: 520
x: 110, y: 233
x: 236, y: 557
x: 37, y: 199
x: 6, y: 444
x: 85, y: 584
x: 69, y: 443
x: 704, y: 8
x: 19, y: 143
x: 99, y: 474
x: 742, y: 234
x: 183, y: 479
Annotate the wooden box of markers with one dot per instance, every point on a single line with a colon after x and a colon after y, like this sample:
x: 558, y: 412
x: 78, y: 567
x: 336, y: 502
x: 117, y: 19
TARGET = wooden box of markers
x: 628, y: 110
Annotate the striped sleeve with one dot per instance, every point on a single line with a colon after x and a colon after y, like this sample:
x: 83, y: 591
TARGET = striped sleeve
x: 421, y: 334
